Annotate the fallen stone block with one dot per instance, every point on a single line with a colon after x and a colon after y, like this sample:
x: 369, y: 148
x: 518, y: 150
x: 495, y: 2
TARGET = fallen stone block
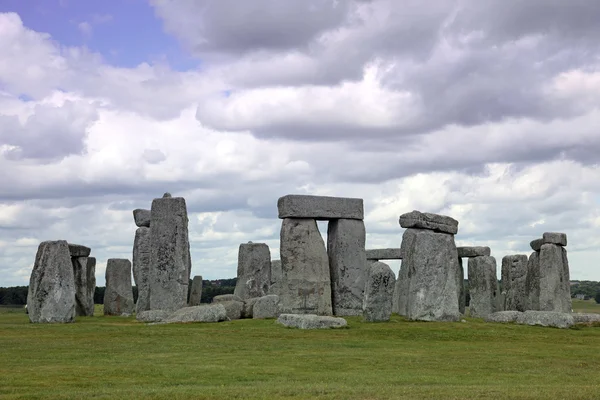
x: 153, y: 315
x: 320, y: 207
x: 473, y: 251
x: 434, y: 222
x: 78, y: 250
x: 503, y: 316
x: 555, y: 238
x: 266, y: 307
x: 142, y: 217
x: 233, y: 308
x: 202, y: 313
x: 384, y: 254
x: 248, y: 311
x: 546, y: 318
x: 311, y: 321
x: 586, y: 318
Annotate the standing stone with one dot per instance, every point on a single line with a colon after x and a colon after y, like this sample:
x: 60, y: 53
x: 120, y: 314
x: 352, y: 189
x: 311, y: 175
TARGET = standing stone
x: 141, y: 268
x: 400, y: 304
x: 253, y: 271
x: 347, y: 264
x: 532, y: 281
x: 91, y: 283
x: 555, y: 291
x: 118, y: 295
x: 51, y: 294
x: 276, y: 277
x: 306, y: 284
x: 170, y: 261
x: 85, y: 284
x: 196, y: 293
x: 379, y: 293
x: 432, y: 261
x: 460, y: 281
x: 514, y: 285
x: 483, y: 286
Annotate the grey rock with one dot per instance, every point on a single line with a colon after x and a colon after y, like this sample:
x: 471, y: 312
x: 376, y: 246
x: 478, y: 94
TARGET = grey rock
x: 347, y: 265
x: 483, y: 286
x: 384, y: 254
x: 532, y: 281
x: 555, y: 289
x: 311, y: 321
x: 78, y: 250
x: 379, y: 293
x: 167, y: 195
x: 536, y: 244
x: 118, y: 294
x: 84, y: 270
x: 142, y: 217
x: 473, y: 251
x: 248, y: 311
x: 233, y: 308
x: 460, y: 281
x: 51, y: 293
x: 226, y: 297
x: 546, y: 318
x: 319, y: 207
x: 585, y: 318
x: 555, y: 238
x: 400, y: 301
x: 276, y: 277
x: 153, y: 315
x: 202, y: 313
x: 432, y: 262
x: 253, y: 270
x: 141, y: 268
x: 306, y: 283
x: 266, y: 307
x: 170, y: 261
x: 503, y: 316
x: 196, y: 292
x: 434, y: 222
x: 514, y: 282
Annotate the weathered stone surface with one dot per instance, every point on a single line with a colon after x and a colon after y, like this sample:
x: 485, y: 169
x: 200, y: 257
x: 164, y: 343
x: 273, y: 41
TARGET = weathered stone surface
x: 347, y: 265
x: 118, y: 295
x: 555, y: 289
x: 536, y: 244
x: 473, y: 251
x: 266, y: 307
x: 320, y: 207
x: 514, y: 282
x: 379, y: 293
x: 253, y: 270
x: 152, y: 315
x: 85, y: 284
x: 248, y: 311
x: 585, y: 318
x: 233, y: 309
x: 142, y: 217
x: 503, y: 316
x: 432, y: 262
x: 546, y: 318
x: 400, y: 301
x: 202, y: 313
x: 141, y: 268
x: 311, y: 321
x: 555, y: 238
x: 226, y: 297
x: 434, y: 222
x: 306, y: 284
x: 460, y: 281
x: 483, y: 286
x: 78, y: 250
x: 51, y: 294
x: 170, y: 261
x: 384, y: 254
x: 532, y: 281
x: 196, y: 292
x: 276, y: 277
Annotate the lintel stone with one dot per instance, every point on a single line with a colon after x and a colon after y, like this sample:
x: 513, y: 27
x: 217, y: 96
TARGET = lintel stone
x: 555, y: 238
x: 78, y: 250
x: 320, y: 207
x: 142, y: 217
x: 473, y: 251
x: 434, y: 222
x: 384, y: 254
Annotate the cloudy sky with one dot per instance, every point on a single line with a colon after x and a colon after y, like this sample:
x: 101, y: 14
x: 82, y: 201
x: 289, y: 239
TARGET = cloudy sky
x: 485, y: 111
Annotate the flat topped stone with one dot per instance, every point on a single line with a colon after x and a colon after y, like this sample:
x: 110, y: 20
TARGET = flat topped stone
x: 434, y: 222
x: 311, y: 321
x: 473, y: 251
x: 546, y: 318
x: 142, y: 217
x: 78, y: 250
x: 503, y: 316
x: 384, y: 254
x: 555, y: 238
x: 320, y: 207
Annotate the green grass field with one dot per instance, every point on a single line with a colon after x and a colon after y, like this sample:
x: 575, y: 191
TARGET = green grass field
x: 113, y: 358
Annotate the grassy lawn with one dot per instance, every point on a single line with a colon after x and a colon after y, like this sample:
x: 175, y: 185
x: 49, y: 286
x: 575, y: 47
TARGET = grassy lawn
x: 112, y: 357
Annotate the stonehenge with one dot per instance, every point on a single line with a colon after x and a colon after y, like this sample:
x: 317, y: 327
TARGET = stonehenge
x: 467, y: 252
x: 84, y: 274
x: 514, y: 282
x: 483, y: 286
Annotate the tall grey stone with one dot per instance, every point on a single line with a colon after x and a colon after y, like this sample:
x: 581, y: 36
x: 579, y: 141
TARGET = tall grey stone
x: 253, y: 270
x: 400, y: 303
x: 85, y: 283
x: 514, y: 282
x: 379, y: 293
x: 347, y: 265
x: 532, y: 281
x: 319, y: 207
x: 306, y: 284
x: 432, y: 261
x: 142, y: 217
x: 141, y: 268
x: 483, y: 286
x: 170, y: 261
x: 276, y: 277
x: 118, y: 294
x: 91, y: 283
x: 460, y: 281
x: 51, y: 294
x: 196, y: 292
x: 555, y: 291
x: 434, y: 222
